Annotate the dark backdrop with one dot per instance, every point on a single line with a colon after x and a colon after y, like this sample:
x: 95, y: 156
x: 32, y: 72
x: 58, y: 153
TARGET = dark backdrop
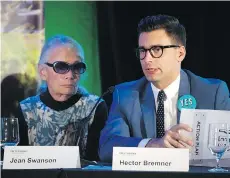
x: 208, y: 38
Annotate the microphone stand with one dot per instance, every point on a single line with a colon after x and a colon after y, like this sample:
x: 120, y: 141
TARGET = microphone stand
x: 86, y: 119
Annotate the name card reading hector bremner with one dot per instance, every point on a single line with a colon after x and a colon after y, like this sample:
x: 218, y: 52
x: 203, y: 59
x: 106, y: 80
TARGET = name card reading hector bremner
x: 150, y: 159
x: 41, y: 157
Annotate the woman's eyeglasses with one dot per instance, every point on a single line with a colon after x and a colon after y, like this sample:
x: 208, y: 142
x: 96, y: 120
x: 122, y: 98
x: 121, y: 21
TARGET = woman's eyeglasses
x: 61, y: 67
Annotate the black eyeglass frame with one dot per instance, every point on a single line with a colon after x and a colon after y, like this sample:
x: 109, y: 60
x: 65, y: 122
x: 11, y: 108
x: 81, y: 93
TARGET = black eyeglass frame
x: 155, y: 46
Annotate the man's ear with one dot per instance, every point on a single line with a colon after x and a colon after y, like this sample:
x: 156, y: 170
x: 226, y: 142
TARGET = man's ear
x: 181, y: 53
x: 42, y: 72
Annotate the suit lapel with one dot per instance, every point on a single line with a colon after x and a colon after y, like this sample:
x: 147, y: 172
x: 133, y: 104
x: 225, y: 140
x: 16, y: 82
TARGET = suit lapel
x: 184, y: 89
x: 147, y: 103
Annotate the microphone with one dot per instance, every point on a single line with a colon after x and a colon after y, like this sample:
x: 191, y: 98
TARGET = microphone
x: 86, y: 119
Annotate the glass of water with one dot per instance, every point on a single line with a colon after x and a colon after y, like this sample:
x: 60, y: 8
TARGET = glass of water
x: 9, y: 134
x: 218, y: 142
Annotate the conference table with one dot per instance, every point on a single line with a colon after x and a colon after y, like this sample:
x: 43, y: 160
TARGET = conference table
x: 194, y: 172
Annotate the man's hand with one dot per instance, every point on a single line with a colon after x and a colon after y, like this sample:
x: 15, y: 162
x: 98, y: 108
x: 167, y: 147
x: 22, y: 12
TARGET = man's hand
x: 172, y: 138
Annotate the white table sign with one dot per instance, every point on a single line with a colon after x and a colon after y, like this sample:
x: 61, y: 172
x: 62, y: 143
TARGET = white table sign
x: 199, y: 120
x: 150, y: 159
x: 41, y: 157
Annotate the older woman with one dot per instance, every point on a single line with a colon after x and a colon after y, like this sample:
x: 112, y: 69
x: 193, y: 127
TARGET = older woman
x: 56, y: 115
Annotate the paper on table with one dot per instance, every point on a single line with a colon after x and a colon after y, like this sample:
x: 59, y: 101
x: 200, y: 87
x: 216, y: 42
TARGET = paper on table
x: 199, y: 120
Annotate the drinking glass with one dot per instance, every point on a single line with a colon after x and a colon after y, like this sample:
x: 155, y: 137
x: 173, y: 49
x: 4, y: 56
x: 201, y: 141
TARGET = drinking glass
x: 9, y: 134
x: 218, y: 143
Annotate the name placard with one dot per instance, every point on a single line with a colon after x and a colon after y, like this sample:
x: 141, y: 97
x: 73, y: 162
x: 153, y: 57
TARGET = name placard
x: 150, y: 159
x: 41, y: 157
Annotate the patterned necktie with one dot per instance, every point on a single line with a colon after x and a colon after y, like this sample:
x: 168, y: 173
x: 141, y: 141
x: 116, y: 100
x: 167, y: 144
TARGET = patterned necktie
x: 160, y: 114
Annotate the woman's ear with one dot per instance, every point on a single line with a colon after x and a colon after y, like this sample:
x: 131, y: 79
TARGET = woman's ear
x: 42, y: 72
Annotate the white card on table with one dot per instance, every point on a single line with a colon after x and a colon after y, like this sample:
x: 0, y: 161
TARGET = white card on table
x: 41, y: 157
x: 150, y: 159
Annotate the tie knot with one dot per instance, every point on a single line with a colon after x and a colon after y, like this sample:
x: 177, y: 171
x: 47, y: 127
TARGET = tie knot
x: 161, y: 96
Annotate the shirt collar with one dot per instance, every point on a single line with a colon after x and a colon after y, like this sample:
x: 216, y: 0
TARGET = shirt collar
x: 170, y: 91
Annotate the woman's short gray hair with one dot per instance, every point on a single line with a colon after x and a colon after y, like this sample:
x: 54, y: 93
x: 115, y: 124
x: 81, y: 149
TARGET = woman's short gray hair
x: 53, y: 42
x: 60, y: 40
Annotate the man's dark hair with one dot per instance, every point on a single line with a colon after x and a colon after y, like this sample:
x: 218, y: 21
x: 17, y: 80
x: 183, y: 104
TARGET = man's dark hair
x: 170, y: 24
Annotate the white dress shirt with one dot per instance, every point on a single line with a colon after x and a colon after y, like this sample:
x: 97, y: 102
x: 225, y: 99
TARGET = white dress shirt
x: 170, y: 106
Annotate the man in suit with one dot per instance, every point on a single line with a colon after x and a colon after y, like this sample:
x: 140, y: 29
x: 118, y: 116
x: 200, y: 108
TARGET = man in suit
x: 145, y: 113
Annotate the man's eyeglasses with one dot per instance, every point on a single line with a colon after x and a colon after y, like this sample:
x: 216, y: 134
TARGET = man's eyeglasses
x: 61, y: 67
x: 155, y: 51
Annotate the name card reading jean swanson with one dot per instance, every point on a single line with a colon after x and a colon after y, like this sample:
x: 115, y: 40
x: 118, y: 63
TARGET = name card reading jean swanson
x: 32, y: 160
x: 41, y: 157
